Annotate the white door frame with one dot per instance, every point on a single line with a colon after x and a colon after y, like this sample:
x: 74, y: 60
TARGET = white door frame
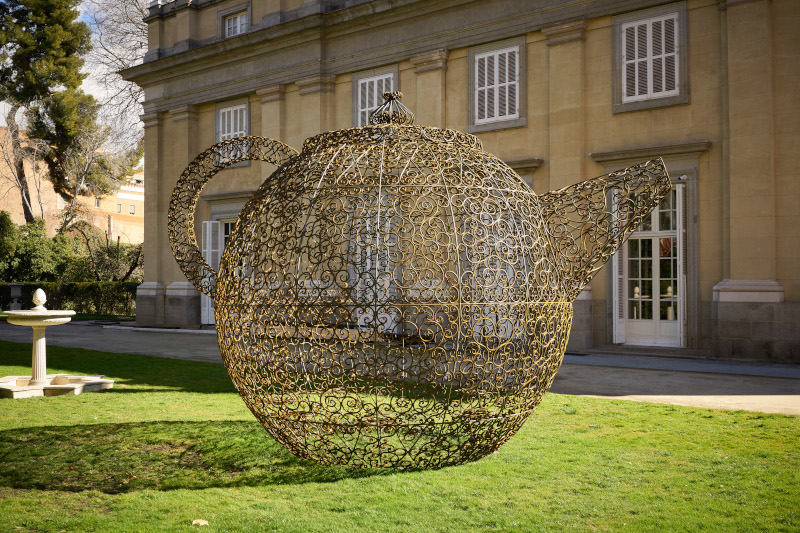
x: 620, y: 309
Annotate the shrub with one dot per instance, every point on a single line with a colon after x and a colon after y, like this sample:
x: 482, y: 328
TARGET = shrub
x: 100, y: 297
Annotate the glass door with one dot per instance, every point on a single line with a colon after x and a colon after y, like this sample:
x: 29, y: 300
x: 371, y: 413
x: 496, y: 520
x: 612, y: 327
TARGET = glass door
x: 652, y: 290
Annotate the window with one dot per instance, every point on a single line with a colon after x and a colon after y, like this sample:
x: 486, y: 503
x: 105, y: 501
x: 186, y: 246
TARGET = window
x: 235, y: 24
x: 97, y: 203
x: 133, y: 209
x: 650, y: 58
x: 232, y: 122
x: 496, y: 86
x: 119, y: 208
x: 368, y: 89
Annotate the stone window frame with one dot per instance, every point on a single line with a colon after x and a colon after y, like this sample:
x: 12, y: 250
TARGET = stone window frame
x: 224, y: 14
x: 617, y: 22
x: 132, y: 209
x: 119, y: 208
x: 364, y: 75
x: 227, y: 104
x: 522, y: 85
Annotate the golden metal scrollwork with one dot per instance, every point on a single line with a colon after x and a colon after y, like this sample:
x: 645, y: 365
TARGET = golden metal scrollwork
x: 394, y: 296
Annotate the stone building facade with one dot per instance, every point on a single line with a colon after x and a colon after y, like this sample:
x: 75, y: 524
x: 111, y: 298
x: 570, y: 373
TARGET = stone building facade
x: 561, y: 91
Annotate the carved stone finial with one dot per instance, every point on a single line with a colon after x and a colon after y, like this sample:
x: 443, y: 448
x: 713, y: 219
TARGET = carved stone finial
x: 39, y: 299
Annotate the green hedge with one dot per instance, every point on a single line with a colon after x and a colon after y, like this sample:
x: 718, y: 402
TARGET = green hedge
x: 100, y: 297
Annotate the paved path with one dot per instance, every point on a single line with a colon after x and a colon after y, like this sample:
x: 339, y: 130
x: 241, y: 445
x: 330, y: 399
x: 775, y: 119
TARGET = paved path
x: 764, y: 387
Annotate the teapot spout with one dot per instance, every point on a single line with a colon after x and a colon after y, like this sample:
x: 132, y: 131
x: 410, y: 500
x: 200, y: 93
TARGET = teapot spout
x: 589, y: 221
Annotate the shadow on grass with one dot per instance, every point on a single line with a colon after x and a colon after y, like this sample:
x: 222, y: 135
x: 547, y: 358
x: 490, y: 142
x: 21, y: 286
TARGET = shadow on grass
x: 119, y: 458
x: 139, y: 373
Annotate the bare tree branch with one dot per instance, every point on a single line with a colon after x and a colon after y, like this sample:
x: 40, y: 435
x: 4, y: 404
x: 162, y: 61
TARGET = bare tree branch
x: 119, y: 40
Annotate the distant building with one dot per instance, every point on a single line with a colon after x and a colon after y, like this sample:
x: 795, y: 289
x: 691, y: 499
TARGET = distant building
x: 121, y: 214
x: 562, y: 91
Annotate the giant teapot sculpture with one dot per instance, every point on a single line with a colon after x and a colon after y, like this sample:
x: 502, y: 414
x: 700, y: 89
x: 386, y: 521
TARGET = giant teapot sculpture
x: 394, y: 296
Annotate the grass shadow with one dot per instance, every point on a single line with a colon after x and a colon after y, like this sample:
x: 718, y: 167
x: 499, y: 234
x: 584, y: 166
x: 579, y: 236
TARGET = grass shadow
x: 121, y: 458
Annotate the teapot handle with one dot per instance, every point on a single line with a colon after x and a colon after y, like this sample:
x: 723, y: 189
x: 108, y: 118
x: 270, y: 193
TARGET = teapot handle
x: 187, y: 191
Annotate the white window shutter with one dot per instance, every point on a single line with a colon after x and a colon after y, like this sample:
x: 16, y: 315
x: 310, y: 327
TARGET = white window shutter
x: 370, y: 95
x: 513, y: 83
x: 680, y: 201
x: 480, y: 88
x: 670, y: 55
x: 619, y: 297
x: 650, y: 58
x: 211, y: 247
x: 496, y: 85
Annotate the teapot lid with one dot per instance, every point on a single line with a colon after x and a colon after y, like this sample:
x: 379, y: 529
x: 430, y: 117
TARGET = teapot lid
x: 391, y: 121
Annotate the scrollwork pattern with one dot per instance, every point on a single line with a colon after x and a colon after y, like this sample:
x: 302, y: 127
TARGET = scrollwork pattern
x: 396, y: 297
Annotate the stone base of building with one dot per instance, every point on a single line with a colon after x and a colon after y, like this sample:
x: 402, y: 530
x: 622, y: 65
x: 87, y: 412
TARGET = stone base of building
x: 580, y: 337
x: 150, y: 303
x: 751, y: 320
x: 177, y: 305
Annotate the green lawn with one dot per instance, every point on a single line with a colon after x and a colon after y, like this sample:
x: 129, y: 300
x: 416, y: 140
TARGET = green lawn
x: 173, y: 442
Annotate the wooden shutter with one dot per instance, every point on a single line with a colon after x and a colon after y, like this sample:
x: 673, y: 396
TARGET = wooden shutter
x: 211, y: 247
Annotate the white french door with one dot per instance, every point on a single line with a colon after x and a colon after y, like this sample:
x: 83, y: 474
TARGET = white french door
x: 215, y: 234
x: 650, y: 272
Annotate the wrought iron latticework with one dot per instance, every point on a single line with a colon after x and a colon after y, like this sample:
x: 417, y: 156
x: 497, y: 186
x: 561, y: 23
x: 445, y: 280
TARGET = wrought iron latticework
x: 394, y: 296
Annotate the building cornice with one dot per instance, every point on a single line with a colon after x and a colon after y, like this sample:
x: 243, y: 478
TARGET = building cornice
x: 318, y: 83
x: 435, y: 60
x: 565, y: 32
x: 272, y: 93
x: 530, y: 164
x: 694, y: 148
x: 332, y: 43
x: 183, y: 112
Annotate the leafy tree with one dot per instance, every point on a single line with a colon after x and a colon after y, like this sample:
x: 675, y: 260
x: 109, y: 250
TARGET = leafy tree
x: 9, y: 241
x: 36, y: 257
x: 41, y: 49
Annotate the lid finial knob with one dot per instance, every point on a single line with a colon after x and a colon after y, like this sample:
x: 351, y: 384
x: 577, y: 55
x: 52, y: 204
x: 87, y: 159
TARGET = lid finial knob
x: 392, y: 111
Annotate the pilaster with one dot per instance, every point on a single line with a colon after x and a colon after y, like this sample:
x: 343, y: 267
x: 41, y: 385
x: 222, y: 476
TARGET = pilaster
x: 149, y: 305
x: 431, y: 69
x: 273, y: 112
x: 316, y: 110
x: 566, y: 43
x: 751, y: 187
x: 182, y: 143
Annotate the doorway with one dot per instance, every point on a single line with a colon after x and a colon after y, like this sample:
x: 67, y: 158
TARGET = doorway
x: 651, y: 278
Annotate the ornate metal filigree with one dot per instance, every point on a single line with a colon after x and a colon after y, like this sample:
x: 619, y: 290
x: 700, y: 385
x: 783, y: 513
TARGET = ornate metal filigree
x: 394, y: 296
